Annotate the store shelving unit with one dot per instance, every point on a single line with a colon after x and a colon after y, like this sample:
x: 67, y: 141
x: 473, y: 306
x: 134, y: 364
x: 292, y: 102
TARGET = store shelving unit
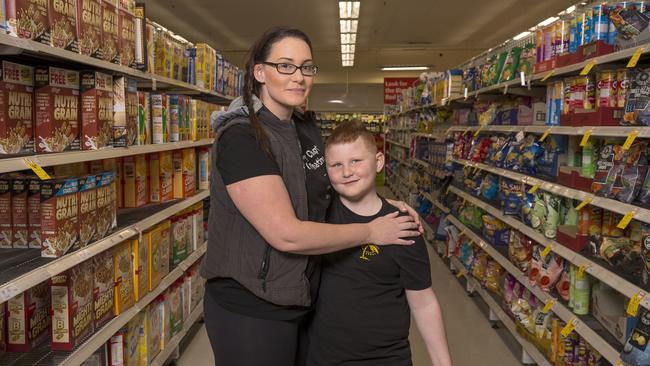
x: 174, y: 343
x: 595, y: 131
x: 392, y: 142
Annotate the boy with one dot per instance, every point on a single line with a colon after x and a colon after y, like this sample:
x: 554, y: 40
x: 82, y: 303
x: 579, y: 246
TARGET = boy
x: 362, y: 313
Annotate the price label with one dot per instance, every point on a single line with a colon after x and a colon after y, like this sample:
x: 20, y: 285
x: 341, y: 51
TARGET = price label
x: 585, y: 138
x: 466, y: 130
x: 620, y: 363
x: 585, y: 71
x: 534, y: 188
x: 547, y: 251
x: 449, y: 130
x: 522, y: 77
x: 626, y: 220
x: 570, y: 327
x: 154, y: 85
x: 505, y: 90
x: 465, y: 93
x: 548, y: 75
x: 478, y: 130
x: 548, y: 306
x: 34, y: 165
x: 584, y: 203
x: 635, y: 57
x: 630, y: 139
x: 520, y: 136
x: 8, y: 292
x: 459, y: 274
x: 545, y: 135
x: 582, y: 269
x: 476, y: 169
x: 635, y: 301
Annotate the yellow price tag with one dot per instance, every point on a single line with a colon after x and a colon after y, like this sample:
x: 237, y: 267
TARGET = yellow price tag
x: 548, y: 75
x: 466, y: 130
x: 548, y: 306
x: 584, y: 203
x: 36, y: 168
x: 626, y: 220
x: 635, y: 301
x: 585, y: 138
x: 635, y: 57
x: 448, y: 188
x: 569, y: 327
x: 585, y: 71
x: 630, y: 139
x: 547, y: 251
x: 476, y: 169
x: 478, y: 130
x: 534, y: 188
x: 545, y: 135
x: 620, y: 363
x: 459, y: 274
x: 581, y: 270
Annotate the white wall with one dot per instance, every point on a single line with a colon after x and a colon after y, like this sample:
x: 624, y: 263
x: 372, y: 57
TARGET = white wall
x: 359, y: 98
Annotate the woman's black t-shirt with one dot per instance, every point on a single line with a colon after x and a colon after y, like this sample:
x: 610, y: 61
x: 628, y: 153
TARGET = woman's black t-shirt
x: 239, y: 157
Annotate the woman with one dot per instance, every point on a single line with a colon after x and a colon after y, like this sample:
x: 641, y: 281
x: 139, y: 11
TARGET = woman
x: 269, y: 192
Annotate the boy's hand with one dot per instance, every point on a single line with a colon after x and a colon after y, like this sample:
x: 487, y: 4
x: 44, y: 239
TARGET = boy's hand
x: 404, y: 208
x: 390, y: 229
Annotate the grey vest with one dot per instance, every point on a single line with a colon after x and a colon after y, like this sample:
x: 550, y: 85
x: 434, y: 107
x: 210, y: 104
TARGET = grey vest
x: 235, y: 249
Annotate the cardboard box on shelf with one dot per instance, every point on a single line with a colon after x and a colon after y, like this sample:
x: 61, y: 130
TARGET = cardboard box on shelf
x: 28, y: 319
x: 159, y: 118
x: 87, y: 209
x: 124, y: 281
x: 34, y: 213
x: 184, y: 173
x: 132, y: 337
x: 110, y: 33
x: 204, y: 164
x: 117, y: 348
x: 205, y: 66
x: 163, y: 53
x: 16, y: 108
x: 59, y: 216
x: 175, y: 301
x: 127, y: 37
x: 158, y: 240
x: 135, y: 180
x: 19, y: 219
x: 90, y: 28
x: 106, y: 205
x: 29, y: 19
x: 174, y: 118
x: 97, y: 110
x: 144, y: 118
x: 178, y: 251
x: 140, y: 253
x: 140, y: 36
x: 64, y: 31
x: 161, y: 175
x: 151, y: 341
x: 125, y: 107
x: 103, y: 288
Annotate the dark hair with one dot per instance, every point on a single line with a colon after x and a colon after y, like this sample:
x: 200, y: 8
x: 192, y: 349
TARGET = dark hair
x: 349, y: 131
x: 259, y: 53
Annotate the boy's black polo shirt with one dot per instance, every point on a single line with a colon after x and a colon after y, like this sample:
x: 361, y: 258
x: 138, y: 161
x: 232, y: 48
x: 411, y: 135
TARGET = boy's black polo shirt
x: 362, y: 316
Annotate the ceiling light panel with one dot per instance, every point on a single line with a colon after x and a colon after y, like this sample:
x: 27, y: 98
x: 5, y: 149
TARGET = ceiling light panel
x: 349, y: 26
x: 349, y: 9
x: 347, y: 57
x: 347, y: 63
x: 347, y: 48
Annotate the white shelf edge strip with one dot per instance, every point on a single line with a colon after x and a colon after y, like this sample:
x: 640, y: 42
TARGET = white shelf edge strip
x: 16, y: 164
x: 604, y: 348
x: 101, y: 336
x: 43, y: 273
x: 606, y: 131
x: 603, y: 274
x: 188, y: 323
x: 529, y: 348
x: 642, y: 214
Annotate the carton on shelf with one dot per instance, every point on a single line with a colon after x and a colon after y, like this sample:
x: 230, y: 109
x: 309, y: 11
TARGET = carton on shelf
x: 90, y: 28
x: 34, y: 213
x: 19, y: 219
x: 140, y: 253
x: 125, y: 108
x: 161, y: 172
x: 87, y: 209
x: 135, y: 181
x: 158, y: 240
x: 16, y: 108
x: 124, y: 286
x: 59, y: 216
x: 28, y: 318
x: 97, y: 110
x: 64, y: 31
x: 29, y: 19
x: 126, y: 24
x: 103, y: 288
x: 110, y: 33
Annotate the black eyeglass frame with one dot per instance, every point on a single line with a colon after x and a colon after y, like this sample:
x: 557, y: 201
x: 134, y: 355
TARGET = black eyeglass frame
x: 277, y: 67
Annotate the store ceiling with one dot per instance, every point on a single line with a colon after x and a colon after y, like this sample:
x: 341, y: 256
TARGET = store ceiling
x: 391, y: 32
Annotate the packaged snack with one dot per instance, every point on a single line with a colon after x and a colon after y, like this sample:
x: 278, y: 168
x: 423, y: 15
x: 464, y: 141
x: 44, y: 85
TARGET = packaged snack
x: 550, y: 271
x: 636, y: 107
x: 126, y: 37
x: 609, y: 224
x: 563, y: 285
x: 19, y: 221
x: 124, y: 280
x: 158, y: 241
x: 110, y: 33
x: 184, y: 173
x: 28, y: 318
x: 520, y: 249
x: 512, y: 193
x: 493, y: 275
x: 636, y: 351
x: 607, y: 171
x: 103, y: 288
x: 125, y: 108
x: 56, y: 113
x: 581, y: 293
x: 490, y: 186
x: 59, y: 216
x: 552, y: 220
x: 480, y: 266
x: 16, y: 111
x: 97, y: 110
x: 161, y: 176
x: 159, y: 131
x: 135, y: 181
x: 29, y: 19
x: 90, y: 28
x: 34, y: 212
x: 645, y: 254
x: 511, y: 65
x: 72, y: 305
x: 174, y: 118
x: 63, y: 24
x: 87, y: 209
x: 496, y: 232
x: 613, y: 249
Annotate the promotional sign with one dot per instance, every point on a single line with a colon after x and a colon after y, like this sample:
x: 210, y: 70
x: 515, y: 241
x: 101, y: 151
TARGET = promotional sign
x: 393, y: 88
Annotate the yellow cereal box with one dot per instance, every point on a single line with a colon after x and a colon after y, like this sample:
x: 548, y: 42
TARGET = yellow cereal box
x: 135, y: 181
x: 161, y: 175
x: 132, y: 335
x: 151, y: 341
x: 140, y: 254
x: 205, y: 66
x: 158, y: 241
x: 124, y: 287
x: 184, y: 173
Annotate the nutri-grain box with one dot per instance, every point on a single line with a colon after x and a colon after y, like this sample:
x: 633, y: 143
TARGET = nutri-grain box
x: 90, y: 28
x: 97, y: 110
x: 87, y: 209
x: 64, y: 24
x: 105, y: 203
x: 28, y: 319
x: 56, y: 115
x: 161, y: 176
x: 16, y: 108
x: 19, y: 220
x: 127, y: 37
x: 29, y: 19
x: 124, y: 288
x: 103, y: 288
x: 72, y: 306
x: 125, y: 107
x: 6, y: 233
x: 59, y: 216
x: 34, y: 213
x: 140, y: 254
x: 158, y: 239
x: 110, y: 33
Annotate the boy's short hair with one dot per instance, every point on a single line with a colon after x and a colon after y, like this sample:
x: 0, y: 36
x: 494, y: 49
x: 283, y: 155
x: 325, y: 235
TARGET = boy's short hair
x: 349, y: 131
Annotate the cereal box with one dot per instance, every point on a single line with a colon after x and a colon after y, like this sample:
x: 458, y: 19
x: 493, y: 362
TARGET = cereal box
x: 124, y: 289
x: 103, y: 288
x: 196, y: 286
x: 161, y: 175
x: 97, y: 110
x: 34, y: 213
x: 174, y: 118
x: 63, y: 24
x: 90, y: 28
x: 126, y: 22
x: 3, y: 327
x: 125, y: 127
x: 59, y: 216
x: 28, y: 318
x: 163, y: 53
x: 110, y: 33
x: 111, y: 165
x: 16, y: 108
x: 19, y: 221
x: 105, y: 204
x: 189, y: 235
x: 29, y: 19
x: 119, y: 183
x: 150, y: 344
x: 135, y: 181
x: 184, y: 173
x: 204, y: 161
x: 133, y: 332
x: 158, y: 240
x: 6, y: 232
x: 140, y: 254
x: 178, y: 251
x: 175, y: 301
x: 87, y: 209
x: 205, y: 66
x: 72, y: 306
x: 144, y: 118
x: 56, y: 115
x: 150, y: 42
x: 159, y: 122
x: 117, y: 349
x: 197, y: 227
x: 166, y: 331
x: 140, y: 37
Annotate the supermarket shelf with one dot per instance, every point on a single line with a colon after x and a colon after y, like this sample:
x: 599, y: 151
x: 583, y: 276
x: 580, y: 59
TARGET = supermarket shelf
x: 17, y: 163
x: 594, y: 269
x: 398, y: 144
x: 22, y: 46
x: 101, y: 336
x: 640, y: 213
x: 188, y: 323
x: 34, y: 269
x: 609, y: 131
x: 422, y: 163
x: 496, y: 309
x: 400, y: 128
x: 435, y: 202
x: 593, y: 338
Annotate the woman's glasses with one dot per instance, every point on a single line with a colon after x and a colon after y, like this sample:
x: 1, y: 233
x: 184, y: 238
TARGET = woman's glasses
x: 289, y: 69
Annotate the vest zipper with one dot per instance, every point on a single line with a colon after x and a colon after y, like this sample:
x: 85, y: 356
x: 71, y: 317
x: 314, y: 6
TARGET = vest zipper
x: 264, y: 270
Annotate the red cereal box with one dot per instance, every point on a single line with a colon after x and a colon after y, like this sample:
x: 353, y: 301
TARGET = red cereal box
x: 72, y: 306
x: 127, y: 38
x: 6, y: 237
x: 110, y: 33
x: 90, y: 28
x: 97, y: 110
x: 19, y: 221
x: 59, y: 216
x: 34, y: 213
x: 16, y: 108
x: 29, y: 19
x: 57, y: 110
x: 28, y: 319
x: 64, y: 31
x: 87, y: 209
x: 103, y: 288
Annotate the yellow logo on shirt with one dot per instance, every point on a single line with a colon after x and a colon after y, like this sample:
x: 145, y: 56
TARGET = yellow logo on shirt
x: 368, y: 251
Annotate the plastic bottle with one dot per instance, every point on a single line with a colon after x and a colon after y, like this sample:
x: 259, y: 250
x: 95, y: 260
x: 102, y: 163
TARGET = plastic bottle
x: 572, y: 286
x: 600, y: 21
x: 588, y: 160
x: 581, y: 292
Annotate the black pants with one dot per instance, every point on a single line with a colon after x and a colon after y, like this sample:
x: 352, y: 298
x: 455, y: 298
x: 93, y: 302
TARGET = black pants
x: 239, y: 340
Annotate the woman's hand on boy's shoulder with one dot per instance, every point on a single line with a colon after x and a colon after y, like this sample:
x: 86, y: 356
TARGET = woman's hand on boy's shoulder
x: 404, y: 208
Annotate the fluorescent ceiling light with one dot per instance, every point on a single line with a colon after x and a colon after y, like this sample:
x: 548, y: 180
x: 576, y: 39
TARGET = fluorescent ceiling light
x: 336, y: 101
x: 570, y: 9
x: 521, y: 35
x: 404, y: 68
x: 347, y: 57
x: 349, y: 26
x: 347, y: 48
x: 349, y: 9
x: 547, y: 21
x: 347, y: 63
x: 348, y: 38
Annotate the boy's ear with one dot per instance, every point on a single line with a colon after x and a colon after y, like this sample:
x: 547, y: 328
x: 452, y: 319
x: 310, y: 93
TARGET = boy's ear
x: 380, y: 161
